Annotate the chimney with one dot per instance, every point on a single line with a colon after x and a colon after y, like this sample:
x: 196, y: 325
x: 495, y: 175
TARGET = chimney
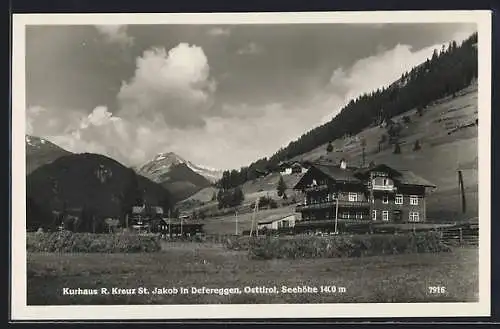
x: 343, y: 164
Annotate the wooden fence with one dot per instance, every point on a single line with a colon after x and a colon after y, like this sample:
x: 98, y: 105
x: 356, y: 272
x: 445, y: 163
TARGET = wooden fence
x: 461, y: 235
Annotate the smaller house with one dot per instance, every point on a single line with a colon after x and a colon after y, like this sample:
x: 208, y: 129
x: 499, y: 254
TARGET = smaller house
x: 288, y: 168
x: 277, y: 222
x: 185, y: 216
x: 176, y: 227
x: 156, y: 211
x: 141, y: 216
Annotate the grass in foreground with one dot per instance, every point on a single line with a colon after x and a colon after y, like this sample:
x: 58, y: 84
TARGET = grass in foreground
x: 379, y: 279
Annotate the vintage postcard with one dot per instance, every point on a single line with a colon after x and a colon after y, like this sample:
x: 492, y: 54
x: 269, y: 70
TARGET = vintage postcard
x: 251, y: 165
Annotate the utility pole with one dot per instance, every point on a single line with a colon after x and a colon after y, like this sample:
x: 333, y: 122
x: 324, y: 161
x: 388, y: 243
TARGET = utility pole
x: 169, y: 220
x: 371, y: 201
x: 236, y: 221
x: 336, y: 213
x: 182, y: 220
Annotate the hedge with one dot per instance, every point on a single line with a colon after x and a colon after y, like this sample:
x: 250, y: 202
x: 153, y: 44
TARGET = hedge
x: 91, y: 243
x: 338, y: 246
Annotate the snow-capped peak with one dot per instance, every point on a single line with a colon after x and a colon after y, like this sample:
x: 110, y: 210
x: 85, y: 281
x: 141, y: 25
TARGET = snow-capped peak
x: 34, y: 142
x: 162, y: 163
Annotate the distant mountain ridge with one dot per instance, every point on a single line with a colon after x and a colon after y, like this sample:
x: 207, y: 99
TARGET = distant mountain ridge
x: 180, y: 177
x: 163, y: 162
x: 40, y: 151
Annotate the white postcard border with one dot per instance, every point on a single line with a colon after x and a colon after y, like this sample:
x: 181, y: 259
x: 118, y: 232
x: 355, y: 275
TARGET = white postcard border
x: 19, y: 308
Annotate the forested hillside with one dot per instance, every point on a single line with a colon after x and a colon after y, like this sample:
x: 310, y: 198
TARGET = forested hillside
x: 446, y: 72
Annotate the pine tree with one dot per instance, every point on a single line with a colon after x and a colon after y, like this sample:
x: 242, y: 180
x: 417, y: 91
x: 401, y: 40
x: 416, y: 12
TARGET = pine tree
x: 397, y: 149
x: 281, y: 188
x: 416, y: 146
x: 238, y: 196
x: 329, y: 147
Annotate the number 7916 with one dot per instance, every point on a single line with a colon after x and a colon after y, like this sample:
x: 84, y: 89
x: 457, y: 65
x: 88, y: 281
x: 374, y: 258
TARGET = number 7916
x: 437, y: 289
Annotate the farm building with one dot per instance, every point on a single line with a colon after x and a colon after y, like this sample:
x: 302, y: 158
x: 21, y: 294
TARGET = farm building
x: 141, y: 216
x: 288, y: 168
x: 176, y: 227
x: 379, y: 193
x: 276, y: 223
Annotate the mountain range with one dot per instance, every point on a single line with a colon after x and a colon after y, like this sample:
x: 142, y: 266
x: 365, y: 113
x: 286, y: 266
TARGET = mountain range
x: 180, y: 177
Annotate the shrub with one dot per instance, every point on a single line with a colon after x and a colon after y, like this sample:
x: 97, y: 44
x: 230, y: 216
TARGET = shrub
x: 267, y: 247
x: 91, y: 243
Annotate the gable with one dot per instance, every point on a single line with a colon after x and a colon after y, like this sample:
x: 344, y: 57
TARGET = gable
x: 312, y: 174
x: 378, y: 170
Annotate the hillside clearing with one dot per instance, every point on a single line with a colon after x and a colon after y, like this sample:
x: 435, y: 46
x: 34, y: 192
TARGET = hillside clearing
x: 401, y: 278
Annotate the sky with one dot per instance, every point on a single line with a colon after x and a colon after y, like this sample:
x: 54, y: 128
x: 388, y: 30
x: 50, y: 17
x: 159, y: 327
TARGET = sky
x: 221, y: 96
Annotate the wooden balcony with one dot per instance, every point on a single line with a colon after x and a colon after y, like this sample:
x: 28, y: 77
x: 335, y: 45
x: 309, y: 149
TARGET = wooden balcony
x: 387, y: 188
x: 316, y: 188
x: 333, y: 204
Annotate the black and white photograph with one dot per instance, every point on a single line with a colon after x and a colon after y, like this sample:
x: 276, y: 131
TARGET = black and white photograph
x: 268, y: 165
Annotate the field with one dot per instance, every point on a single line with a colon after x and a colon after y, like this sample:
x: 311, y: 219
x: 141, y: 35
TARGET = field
x: 395, y: 278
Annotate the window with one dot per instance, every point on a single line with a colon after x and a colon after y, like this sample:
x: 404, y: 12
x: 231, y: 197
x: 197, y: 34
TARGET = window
x: 414, y: 216
x: 359, y: 215
x: 385, y: 199
x: 398, y: 199
x: 414, y: 200
x: 385, y: 215
x: 345, y: 215
x: 374, y: 215
x: 386, y: 182
x: 353, y: 197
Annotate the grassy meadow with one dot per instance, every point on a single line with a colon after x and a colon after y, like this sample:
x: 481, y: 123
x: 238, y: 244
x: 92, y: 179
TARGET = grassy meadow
x: 391, y: 278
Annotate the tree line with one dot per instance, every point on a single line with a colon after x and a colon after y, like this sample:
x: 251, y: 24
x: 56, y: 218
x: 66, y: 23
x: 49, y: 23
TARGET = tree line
x: 449, y: 70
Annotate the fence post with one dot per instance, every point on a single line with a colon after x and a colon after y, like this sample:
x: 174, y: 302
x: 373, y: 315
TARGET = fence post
x: 461, y: 237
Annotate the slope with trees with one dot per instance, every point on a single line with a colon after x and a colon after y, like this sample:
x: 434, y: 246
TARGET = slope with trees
x: 445, y: 73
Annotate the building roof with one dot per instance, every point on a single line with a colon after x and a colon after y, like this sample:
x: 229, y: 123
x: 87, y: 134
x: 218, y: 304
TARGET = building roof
x: 337, y: 173
x: 274, y: 218
x: 176, y: 221
x: 405, y: 177
x: 409, y: 178
x: 356, y: 175
x: 138, y: 209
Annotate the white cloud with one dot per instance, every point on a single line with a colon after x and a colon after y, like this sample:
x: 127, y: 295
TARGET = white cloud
x: 219, y: 31
x: 371, y: 73
x: 250, y: 49
x: 44, y: 122
x: 174, y: 87
x: 115, y: 34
